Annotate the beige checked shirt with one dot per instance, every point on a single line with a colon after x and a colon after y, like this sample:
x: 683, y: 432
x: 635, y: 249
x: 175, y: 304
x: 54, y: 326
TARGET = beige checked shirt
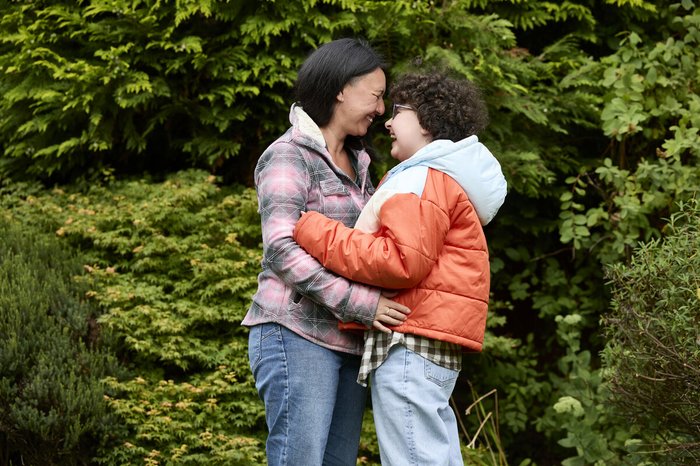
x: 378, y: 344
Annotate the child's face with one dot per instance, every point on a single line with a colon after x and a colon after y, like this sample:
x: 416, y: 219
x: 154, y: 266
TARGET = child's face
x: 406, y: 132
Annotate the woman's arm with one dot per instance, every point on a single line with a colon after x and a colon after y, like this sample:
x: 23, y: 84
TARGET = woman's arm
x: 282, y: 182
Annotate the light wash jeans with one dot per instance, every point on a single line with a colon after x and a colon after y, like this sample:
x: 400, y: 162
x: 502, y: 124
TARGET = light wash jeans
x: 313, y: 404
x: 412, y: 414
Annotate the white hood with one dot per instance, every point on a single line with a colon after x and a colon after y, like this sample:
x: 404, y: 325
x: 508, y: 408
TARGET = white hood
x: 468, y: 162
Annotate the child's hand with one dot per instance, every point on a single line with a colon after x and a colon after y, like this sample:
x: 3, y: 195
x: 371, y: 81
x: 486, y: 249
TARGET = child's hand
x: 389, y: 313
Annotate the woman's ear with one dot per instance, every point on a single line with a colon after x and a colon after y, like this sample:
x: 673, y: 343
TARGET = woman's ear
x: 340, y: 97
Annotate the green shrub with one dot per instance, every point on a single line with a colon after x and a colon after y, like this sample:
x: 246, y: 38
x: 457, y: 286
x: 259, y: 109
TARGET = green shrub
x: 653, y: 351
x: 52, y: 406
x: 174, y: 265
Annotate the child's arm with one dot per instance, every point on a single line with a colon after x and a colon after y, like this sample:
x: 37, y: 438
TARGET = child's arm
x: 399, y: 255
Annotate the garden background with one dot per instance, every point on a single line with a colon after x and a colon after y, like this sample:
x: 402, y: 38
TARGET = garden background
x: 131, y: 243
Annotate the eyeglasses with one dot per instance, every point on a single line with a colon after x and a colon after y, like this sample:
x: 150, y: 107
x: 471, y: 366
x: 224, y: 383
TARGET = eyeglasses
x: 398, y: 107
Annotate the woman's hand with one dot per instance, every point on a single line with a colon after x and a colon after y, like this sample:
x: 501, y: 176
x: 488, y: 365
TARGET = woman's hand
x: 389, y: 313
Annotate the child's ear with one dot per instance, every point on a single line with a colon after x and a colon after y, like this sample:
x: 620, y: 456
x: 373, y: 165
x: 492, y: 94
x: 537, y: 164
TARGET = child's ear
x: 426, y: 135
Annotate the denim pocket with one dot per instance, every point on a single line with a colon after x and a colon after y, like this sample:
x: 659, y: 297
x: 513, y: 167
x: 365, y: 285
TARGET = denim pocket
x: 440, y: 376
x: 258, y: 334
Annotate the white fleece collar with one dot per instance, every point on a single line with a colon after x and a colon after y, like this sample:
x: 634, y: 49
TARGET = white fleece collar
x: 469, y: 163
x: 306, y: 125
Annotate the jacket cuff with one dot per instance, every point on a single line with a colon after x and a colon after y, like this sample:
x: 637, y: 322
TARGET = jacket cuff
x: 305, y: 217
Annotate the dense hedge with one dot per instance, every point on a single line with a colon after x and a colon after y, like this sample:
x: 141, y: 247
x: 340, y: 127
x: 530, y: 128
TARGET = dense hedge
x: 146, y: 85
x: 52, y: 364
x: 174, y: 266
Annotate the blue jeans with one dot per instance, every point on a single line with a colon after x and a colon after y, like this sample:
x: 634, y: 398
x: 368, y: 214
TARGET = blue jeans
x: 313, y: 404
x: 412, y: 414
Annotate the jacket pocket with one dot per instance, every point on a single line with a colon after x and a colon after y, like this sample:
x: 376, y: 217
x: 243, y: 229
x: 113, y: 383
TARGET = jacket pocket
x: 336, y: 201
x: 296, y: 298
x: 333, y: 188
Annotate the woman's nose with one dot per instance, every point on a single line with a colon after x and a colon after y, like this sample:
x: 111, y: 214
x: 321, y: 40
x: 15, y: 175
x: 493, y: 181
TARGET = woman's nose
x: 381, y: 108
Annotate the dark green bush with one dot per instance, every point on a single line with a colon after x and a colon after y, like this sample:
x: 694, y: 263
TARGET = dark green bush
x: 653, y: 350
x: 52, y: 405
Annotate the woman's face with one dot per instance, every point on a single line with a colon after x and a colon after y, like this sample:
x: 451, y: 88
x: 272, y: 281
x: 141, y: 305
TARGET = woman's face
x: 360, y: 101
x: 407, y: 135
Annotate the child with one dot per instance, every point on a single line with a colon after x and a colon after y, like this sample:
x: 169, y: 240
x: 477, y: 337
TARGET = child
x: 421, y: 233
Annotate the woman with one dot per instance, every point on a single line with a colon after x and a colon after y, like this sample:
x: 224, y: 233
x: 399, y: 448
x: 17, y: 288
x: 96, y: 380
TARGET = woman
x: 304, y: 367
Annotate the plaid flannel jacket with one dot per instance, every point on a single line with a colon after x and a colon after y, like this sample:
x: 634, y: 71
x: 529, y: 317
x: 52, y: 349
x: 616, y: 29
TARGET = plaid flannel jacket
x: 296, y: 174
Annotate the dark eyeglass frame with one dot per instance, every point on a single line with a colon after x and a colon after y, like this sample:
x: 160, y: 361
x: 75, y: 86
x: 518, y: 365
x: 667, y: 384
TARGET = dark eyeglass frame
x: 398, y: 107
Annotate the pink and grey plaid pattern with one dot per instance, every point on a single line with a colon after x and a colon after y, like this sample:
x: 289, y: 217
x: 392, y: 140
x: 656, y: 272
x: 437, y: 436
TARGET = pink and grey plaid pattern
x: 293, y: 175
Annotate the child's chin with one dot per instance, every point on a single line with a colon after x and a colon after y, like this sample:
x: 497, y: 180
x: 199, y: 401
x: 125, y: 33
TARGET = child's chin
x: 395, y: 152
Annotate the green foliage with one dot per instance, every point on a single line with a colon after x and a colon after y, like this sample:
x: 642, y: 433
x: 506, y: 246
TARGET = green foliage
x: 195, y: 421
x: 652, y: 352
x: 141, y: 85
x: 52, y: 407
x: 651, y: 113
x: 174, y: 265
x: 612, y: 205
x: 543, y: 104
x: 369, y: 447
x: 594, y: 114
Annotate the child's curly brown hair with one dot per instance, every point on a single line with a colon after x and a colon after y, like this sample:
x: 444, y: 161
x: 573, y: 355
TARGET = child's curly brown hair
x: 448, y: 108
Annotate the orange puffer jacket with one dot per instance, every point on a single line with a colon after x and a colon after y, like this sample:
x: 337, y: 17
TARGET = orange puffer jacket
x: 432, y: 247
x: 421, y: 233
